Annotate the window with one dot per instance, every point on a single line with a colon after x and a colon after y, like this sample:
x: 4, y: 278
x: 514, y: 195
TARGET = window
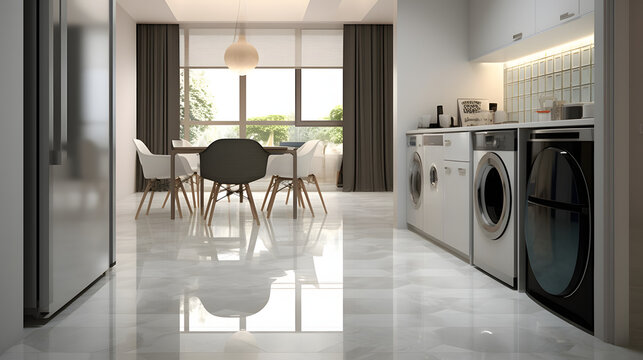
x: 294, y: 95
x: 214, y: 95
x: 213, y: 98
x: 321, y: 94
x: 270, y: 95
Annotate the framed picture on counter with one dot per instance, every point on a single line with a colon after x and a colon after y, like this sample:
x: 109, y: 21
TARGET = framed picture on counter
x: 474, y: 112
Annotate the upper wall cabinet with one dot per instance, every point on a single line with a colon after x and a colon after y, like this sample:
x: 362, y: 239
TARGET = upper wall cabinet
x: 497, y: 23
x: 550, y: 13
x: 502, y: 30
x: 586, y: 6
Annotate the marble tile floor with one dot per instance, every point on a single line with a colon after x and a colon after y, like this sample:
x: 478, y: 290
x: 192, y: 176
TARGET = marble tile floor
x: 346, y: 285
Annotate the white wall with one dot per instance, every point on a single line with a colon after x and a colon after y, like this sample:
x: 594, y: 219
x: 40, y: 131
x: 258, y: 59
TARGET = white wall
x: 11, y: 157
x: 432, y: 68
x: 125, y: 103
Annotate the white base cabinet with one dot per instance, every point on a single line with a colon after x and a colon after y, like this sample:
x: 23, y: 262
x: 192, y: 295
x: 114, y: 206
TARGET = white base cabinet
x: 457, y: 206
x: 456, y: 185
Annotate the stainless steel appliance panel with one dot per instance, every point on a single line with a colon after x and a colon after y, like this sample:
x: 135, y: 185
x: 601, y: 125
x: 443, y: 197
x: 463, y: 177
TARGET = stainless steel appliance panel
x: 80, y: 185
x: 67, y: 150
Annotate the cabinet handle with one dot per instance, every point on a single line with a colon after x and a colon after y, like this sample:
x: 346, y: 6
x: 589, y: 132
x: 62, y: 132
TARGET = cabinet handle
x: 566, y: 16
x: 462, y: 171
x: 517, y: 36
x: 447, y: 142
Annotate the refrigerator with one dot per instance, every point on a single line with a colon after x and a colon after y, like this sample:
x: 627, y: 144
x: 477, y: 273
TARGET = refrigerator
x: 68, y: 150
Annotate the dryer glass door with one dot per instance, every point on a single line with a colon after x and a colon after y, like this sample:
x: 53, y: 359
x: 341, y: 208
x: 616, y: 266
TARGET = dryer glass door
x: 558, y: 222
x: 415, y: 179
x: 492, y: 195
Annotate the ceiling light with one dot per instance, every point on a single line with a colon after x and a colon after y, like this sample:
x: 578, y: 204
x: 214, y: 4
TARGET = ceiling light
x: 241, y: 57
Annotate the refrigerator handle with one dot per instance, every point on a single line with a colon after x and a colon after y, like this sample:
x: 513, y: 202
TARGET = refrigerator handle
x: 59, y: 137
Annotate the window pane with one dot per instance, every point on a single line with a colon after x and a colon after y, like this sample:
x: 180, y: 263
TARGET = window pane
x: 327, y: 160
x: 321, y: 94
x: 214, y: 95
x: 181, y: 96
x: 328, y: 134
x: 276, y: 134
x: 204, y: 135
x: 270, y: 95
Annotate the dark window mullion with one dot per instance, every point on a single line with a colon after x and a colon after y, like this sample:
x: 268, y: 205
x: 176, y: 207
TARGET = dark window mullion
x: 186, y: 85
x: 298, y: 97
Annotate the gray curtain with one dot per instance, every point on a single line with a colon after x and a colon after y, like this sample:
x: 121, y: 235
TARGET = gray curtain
x: 368, y: 108
x: 157, y: 89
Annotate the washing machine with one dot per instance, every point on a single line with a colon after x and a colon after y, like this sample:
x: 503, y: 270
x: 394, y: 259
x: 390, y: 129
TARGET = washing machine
x: 494, y: 230
x: 433, y: 192
x: 558, y: 226
x: 415, y: 192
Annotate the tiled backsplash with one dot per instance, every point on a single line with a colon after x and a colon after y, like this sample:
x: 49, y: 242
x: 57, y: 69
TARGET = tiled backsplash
x: 566, y: 75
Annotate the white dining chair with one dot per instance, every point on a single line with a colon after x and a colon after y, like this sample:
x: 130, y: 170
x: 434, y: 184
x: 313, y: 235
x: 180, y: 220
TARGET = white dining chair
x: 157, y: 167
x: 280, y: 169
x: 195, y: 167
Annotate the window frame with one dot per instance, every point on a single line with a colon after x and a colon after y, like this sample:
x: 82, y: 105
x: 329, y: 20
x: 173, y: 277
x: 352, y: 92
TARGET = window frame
x: 243, y: 120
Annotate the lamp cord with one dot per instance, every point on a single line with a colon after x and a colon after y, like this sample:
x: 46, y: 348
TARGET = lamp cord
x: 236, y: 25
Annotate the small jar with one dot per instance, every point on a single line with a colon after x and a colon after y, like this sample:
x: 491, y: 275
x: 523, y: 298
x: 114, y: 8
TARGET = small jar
x: 544, y: 115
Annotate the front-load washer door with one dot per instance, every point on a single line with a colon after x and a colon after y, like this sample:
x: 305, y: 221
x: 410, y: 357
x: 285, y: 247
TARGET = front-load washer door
x: 558, y: 223
x: 492, y: 195
x: 415, y: 180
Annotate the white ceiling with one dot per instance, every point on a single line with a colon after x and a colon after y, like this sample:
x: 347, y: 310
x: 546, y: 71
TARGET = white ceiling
x: 260, y: 11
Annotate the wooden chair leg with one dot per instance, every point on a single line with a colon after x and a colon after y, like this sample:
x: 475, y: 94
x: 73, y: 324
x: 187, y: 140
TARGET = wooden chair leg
x: 207, y: 208
x: 272, y: 180
x: 288, y: 195
x: 178, y: 203
x: 149, y: 205
x: 229, y: 191
x: 252, y: 204
x: 166, y: 197
x: 214, y: 202
x: 185, y: 195
x: 314, y: 178
x: 240, y: 193
x: 192, y: 189
x: 275, y: 189
x: 140, y: 205
x: 302, y: 186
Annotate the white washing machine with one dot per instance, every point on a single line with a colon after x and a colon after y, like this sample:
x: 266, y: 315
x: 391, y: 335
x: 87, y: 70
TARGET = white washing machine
x: 433, y: 191
x: 415, y: 176
x: 494, y: 183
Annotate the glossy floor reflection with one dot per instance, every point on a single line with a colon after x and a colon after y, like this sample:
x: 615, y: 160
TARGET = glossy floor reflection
x: 342, y: 286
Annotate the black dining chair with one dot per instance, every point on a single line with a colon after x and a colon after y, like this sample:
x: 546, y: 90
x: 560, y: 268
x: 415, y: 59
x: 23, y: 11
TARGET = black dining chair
x: 233, y: 162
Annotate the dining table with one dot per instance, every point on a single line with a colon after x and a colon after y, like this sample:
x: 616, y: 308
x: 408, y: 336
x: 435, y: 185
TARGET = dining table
x: 177, y: 147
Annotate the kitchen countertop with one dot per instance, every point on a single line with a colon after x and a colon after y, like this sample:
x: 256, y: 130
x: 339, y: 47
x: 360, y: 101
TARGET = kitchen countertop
x: 529, y: 125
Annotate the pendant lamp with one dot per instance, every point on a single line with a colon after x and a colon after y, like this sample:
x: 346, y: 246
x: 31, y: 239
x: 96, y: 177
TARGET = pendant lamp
x: 241, y: 57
